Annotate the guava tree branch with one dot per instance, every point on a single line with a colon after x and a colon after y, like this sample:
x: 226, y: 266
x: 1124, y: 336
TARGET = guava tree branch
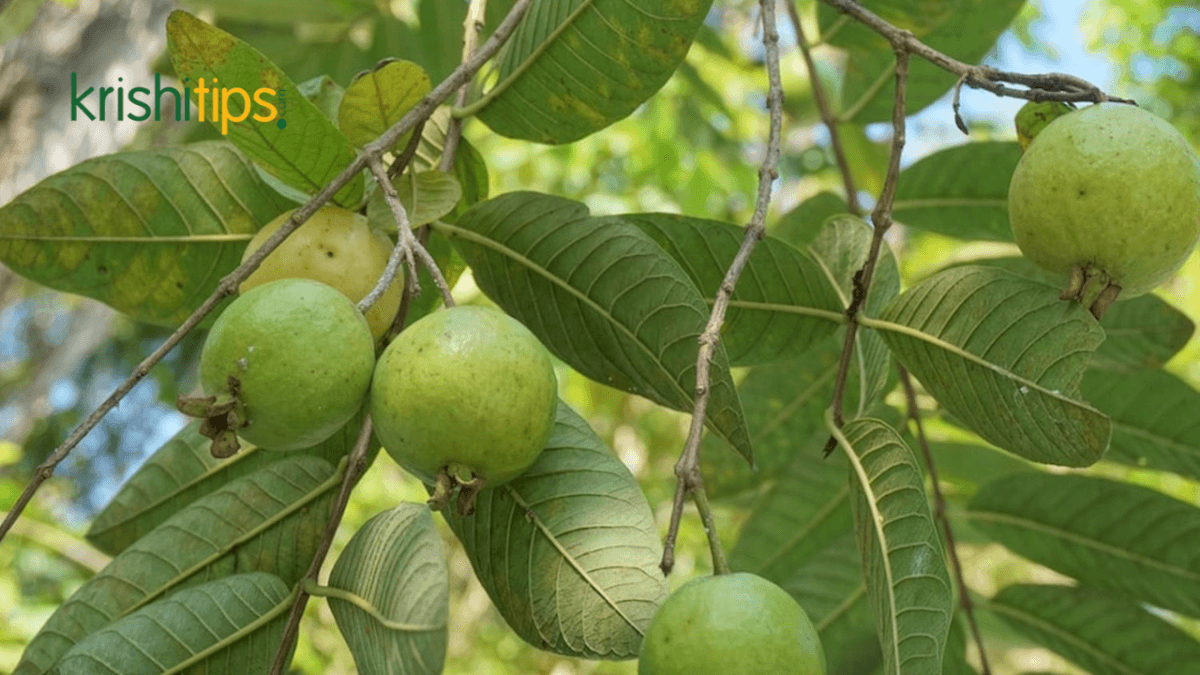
x: 827, y: 117
x: 228, y: 285
x: 687, y: 469
x: 939, y: 514
x: 472, y: 28
x: 1041, y: 87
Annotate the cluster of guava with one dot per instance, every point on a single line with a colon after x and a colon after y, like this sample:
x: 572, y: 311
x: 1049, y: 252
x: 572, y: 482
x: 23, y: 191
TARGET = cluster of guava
x: 465, y: 396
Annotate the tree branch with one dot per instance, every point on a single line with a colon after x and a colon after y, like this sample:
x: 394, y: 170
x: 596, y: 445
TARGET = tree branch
x: 228, y: 285
x: 472, y: 28
x: 939, y: 514
x: 687, y: 469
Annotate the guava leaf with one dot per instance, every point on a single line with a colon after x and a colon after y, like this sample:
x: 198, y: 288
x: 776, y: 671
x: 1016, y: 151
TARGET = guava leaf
x: 441, y: 36
x: 801, y: 225
x: 569, y: 550
x: 1153, y: 418
x: 270, y: 11
x: 1115, y: 537
x: 960, y: 192
x: 602, y: 296
x: 1102, y: 634
x: 469, y: 167
x: 783, y: 303
x: 426, y: 196
x: 184, y: 470
x: 231, y: 626
x: 1005, y: 356
x: 149, y: 233
x: 573, y: 67
x: 395, y: 596
x: 378, y: 98
x: 955, y: 661
x: 908, y: 586
x: 299, y: 146
x: 269, y: 521
x: 962, y: 29
x: 324, y: 93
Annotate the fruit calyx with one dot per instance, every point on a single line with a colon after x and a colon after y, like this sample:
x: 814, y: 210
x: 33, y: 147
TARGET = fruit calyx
x: 1080, y: 287
x: 222, y: 417
x: 450, y: 477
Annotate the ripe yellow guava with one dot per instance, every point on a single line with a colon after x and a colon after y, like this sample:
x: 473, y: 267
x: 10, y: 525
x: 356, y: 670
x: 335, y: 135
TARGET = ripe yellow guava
x: 467, y: 391
x: 335, y: 247
x: 731, y: 623
x: 1110, y: 191
x: 294, y: 357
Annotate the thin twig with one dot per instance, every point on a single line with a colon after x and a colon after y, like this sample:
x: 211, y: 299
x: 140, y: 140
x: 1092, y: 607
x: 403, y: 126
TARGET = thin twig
x: 402, y: 160
x: 407, y: 247
x: 472, y: 29
x: 939, y: 514
x: 229, y: 284
x: 881, y: 220
x: 687, y: 469
x: 825, y: 111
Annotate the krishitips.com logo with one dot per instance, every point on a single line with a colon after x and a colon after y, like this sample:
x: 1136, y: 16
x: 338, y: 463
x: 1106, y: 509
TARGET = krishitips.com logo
x: 219, y: 105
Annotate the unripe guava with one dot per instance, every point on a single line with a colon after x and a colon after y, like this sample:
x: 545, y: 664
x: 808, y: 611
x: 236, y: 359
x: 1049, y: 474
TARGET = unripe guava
x: 731, y: 623
x: 335, y: 247
x: 467, y: 389
x: 1109, y: 188
x: 296, y: 358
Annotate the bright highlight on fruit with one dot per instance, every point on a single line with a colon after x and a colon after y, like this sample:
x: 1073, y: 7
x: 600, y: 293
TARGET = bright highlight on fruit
x: 285, y: 366
x: 731, y: 623
x: 1109, y: 197
x: 466, y: 396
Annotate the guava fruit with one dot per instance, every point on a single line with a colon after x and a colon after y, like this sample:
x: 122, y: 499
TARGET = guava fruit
x: 1111, y: 194
x: 466, y: 395
x: 731, y: 623
x: 285, y: 366
x: 335, y: 247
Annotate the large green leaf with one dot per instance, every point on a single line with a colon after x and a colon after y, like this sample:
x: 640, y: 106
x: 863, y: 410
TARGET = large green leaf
x: 269, y: 521
x: 960, y: 192
x: 1102, y: 634
x: 184, y: 470
x: 783, y: 303
x: 1116, y: 537
x: 299, y: 145
x: 376, y: 99
x: 904, y: 565
x: 962, y: 29
x: 1153, y: 419
x: 230, y: 626
x: 396, y: 594
x: 602, y: 296
x: 573, y: 67
x: 149, y: 233
x: 799, y: 226
x: 569, y: 550
x: 1005, y: 356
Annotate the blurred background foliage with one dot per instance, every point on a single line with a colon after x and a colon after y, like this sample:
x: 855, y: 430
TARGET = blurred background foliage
x: 694, y: 148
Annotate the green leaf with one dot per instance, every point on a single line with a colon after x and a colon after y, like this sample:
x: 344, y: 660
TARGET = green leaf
x: 573, y: 67
x: 955, y: 661
x: 831, y: 590
x: 469, y: 167
x: 1141, y: 332
x: 1153, y: 418
x: 270, y: 11
x: 1005, y: 356
x: 602, y: 296
x: 783, y: 303
x: 426, y: 196
x: 396, y: 589
x: 1102, y: 634
x: 569, y: 551
x: 1120, y: 538
x: 148, y: 233
x: 296, y: 143
x: 799, y: 226
x: 960, y: 192
x: 378, y: 98
x: 324, y: 93
x: 184, y: 470
x: 907, y: 582
x: 806, y: 510
x: 441, y: 35
x: 231, y: 626
x: 269, y: 521
x: 965, y: 32
x: 967, y: 466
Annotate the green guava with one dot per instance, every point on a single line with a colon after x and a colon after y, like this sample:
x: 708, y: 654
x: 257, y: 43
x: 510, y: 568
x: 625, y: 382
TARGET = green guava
x: 731, y: 623
x: 335, y: 247
x: 467, y: 392
x: 1109, y: 191
x: 288, y: 363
